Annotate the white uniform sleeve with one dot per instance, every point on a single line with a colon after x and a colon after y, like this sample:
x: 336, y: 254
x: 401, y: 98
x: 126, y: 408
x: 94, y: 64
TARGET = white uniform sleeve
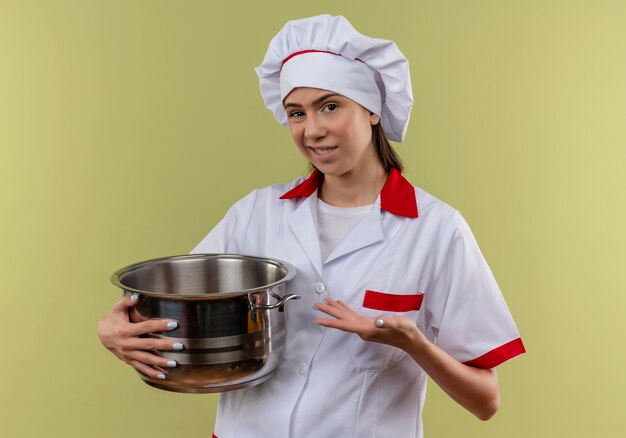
x: 229, y: 234
x: 472, y: 320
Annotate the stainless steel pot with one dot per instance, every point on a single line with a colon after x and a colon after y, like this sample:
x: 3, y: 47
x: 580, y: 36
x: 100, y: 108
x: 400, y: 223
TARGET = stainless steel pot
x: 230, y: 314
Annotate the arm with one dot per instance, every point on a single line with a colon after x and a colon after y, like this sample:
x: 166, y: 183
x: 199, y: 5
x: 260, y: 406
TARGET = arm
x: 475, y: 389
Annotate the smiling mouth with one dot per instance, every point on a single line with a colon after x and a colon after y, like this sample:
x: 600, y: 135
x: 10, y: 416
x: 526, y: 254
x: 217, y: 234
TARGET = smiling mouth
x: 322, y: 150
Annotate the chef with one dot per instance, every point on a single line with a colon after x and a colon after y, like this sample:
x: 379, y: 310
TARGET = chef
x: 394, y: 287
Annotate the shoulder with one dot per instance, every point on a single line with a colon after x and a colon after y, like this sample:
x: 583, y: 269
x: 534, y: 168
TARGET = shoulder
x: 433, y: 209
x: 268, y: 196
x: 448, y: 223
x: 441, y: 219
x: 249, y: 214
x: 275, y: 191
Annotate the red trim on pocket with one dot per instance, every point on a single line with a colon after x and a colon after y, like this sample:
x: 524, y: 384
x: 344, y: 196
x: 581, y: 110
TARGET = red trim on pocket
x: 214, y: 436
x: 498, y: 355
x: 392, y: 302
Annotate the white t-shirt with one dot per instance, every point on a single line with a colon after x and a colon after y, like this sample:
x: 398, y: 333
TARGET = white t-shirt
x: 334, y: 223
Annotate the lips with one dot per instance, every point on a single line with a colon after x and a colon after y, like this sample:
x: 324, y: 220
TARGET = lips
x: 322, y: 150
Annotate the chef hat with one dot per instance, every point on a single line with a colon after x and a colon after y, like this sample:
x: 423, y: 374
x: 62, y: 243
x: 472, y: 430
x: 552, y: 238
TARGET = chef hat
x: 327, y: 52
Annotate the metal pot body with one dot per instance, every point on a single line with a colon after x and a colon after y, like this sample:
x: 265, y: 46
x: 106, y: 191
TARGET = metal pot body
x: 230, y: 315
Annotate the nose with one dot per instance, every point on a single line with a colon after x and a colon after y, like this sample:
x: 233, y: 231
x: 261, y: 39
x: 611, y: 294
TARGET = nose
x: 313, y: 128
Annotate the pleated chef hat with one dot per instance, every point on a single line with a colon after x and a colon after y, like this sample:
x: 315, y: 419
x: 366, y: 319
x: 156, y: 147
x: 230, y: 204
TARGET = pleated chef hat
x: 327, y: 52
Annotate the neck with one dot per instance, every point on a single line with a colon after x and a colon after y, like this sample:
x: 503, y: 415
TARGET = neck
x: 353, y: 189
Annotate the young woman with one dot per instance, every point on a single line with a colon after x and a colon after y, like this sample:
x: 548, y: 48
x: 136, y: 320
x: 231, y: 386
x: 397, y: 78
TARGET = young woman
x: 393, y: 285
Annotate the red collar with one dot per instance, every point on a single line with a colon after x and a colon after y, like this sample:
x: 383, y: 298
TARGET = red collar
x: 397, y: 195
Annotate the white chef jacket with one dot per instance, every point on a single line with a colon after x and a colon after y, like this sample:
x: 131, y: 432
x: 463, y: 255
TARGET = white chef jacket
x: 424, y: 265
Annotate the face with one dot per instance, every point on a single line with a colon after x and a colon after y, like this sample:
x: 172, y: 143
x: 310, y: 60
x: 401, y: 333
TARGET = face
x: 333, y: 132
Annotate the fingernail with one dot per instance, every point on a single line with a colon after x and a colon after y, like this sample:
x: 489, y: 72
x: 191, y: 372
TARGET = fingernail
x: 177, y: 346
x: 171, y: 363
x: 172, y: 324
x: 134, y: 297
x: 161, y: 376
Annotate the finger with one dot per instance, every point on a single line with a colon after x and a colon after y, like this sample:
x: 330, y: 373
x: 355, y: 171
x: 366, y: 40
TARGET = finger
x: 155, y: 373
x: 151, y: 326
x: 359, y: 326
x: 330, y: 310
x: 152, y: 344
x: 330, y: 301
x: 390, y: 322
x: 135, y: 316
x: 345, y: 307
x: 127, y: 301
x: 340, y: 305
x: 338, y: 312
x: 152, y: 359
x: 335, y: 324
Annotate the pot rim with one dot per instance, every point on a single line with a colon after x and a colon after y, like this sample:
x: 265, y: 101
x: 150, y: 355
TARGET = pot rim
x: 118, y: 276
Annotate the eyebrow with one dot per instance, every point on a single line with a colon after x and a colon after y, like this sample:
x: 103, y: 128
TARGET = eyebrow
x: 315, y: 102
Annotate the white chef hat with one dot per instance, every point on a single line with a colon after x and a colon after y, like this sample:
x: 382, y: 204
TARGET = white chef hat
x: 327, y: 52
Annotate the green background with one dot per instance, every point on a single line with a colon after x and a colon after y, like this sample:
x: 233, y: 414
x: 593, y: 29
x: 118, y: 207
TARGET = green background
x: 127, y: 128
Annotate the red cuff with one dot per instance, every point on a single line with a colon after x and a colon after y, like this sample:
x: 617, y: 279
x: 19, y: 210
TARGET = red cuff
x: 495, y: 357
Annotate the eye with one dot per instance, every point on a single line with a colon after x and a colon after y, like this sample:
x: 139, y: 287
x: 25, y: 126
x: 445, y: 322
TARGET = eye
x: 330, y: 107
x: 293, y: 114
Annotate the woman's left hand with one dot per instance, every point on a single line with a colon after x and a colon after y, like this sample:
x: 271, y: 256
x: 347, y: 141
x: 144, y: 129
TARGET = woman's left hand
x: 396, y: 331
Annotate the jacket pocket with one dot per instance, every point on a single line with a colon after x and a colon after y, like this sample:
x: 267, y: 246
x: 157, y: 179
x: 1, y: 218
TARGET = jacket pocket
x: 372, y: 355
x: 392, y: 302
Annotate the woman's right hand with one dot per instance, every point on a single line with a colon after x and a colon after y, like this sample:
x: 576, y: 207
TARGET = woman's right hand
x: 120, y: 331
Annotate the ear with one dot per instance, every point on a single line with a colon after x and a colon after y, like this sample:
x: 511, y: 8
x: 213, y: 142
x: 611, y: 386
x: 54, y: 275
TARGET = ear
x: 374, y: 119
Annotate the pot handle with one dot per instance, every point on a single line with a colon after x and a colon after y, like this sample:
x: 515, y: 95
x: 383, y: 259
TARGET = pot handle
x: 282, y: 301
